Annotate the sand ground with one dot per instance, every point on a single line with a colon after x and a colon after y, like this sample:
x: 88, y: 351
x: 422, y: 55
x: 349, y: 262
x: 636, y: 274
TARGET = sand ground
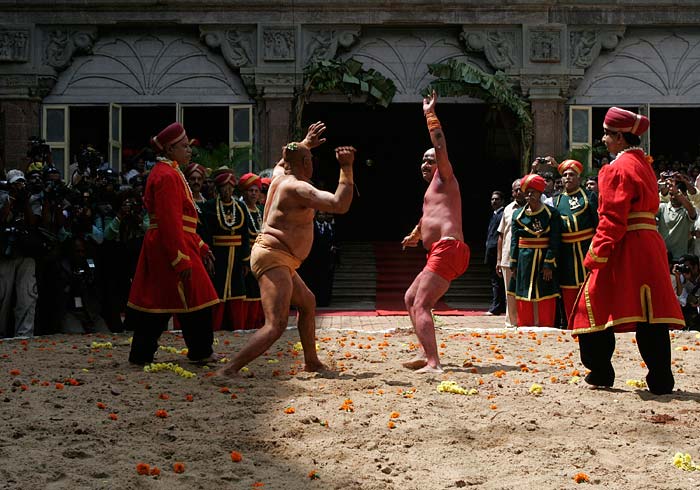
x: 57, y: 395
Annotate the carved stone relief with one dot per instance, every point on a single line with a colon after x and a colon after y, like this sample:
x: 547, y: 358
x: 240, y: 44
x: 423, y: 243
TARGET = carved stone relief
x: 585, y: 45
x: 501, y: 47
x: 548, y: 86
x: 14, y: 45
x: 237, y: 44
x: 323, y: 44
x: 545, y: 45
x: 279, y: 43
x: 61, y: 44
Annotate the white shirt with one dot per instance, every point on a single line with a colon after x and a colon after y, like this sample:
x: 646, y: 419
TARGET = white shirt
x: 504, y: 228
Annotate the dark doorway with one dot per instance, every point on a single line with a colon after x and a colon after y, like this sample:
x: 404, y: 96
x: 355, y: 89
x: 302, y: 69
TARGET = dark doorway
x: 139, y: 123
x: 89, y: 125
x: 672, y: 137
x: 391, y: 143
x: 207, y: 124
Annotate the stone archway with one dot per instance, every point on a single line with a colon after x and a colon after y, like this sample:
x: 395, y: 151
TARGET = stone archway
x: 130, y: 67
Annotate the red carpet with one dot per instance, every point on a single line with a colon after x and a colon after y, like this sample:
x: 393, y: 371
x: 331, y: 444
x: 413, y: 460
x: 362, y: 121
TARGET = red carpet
x: 396, y: 270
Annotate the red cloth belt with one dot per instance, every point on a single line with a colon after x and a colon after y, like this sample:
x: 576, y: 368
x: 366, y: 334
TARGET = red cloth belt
x: 577, y: 236
x: 227, y: 240
x: 189, y: 224
x: 641, y: 221
x: 533, y: 242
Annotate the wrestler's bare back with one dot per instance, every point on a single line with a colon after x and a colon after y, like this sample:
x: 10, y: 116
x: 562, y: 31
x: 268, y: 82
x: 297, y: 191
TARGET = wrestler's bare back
x: 442, y: 211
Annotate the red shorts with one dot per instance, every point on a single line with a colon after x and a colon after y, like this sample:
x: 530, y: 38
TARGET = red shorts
x: 448, y: 258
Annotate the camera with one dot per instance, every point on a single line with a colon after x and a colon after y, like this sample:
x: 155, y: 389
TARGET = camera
x: 682, y: 268
x: 541, y: 161
x: 89, y: 158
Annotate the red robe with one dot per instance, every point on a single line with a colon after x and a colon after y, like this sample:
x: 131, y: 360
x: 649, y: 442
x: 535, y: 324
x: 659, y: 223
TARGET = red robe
x: 171, y: 245
x: 631, y: 279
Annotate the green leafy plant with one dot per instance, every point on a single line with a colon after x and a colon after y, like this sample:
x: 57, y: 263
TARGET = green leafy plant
x: 455, y: 78
x: 236, y: 159
x: 346, y: 77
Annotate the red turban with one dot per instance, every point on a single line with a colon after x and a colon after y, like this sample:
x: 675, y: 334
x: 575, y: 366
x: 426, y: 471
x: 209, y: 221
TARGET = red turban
x: 248, y: 180
x: 574, y: 165
x: 532, y: 181
x: 169, y: 136
x: 265, y: 182
x: 195, y: 167
x: 623, y: 121
x: 224, y: 177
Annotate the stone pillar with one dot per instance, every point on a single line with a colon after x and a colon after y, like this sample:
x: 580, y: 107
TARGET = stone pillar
x: 550, y: 124
x: 275, y: 128
x: 19, y: 120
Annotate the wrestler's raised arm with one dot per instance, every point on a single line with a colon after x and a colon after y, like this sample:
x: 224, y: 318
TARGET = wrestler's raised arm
x: 437, y: 137
x: 310, y: 141
x: 339, y: 202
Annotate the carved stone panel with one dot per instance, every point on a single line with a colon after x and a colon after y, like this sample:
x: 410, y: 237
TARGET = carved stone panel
x: 237, y: 43
x: 651, y: 66
x: 585, y: 45
x: 545, y: 44
x: 403, y: 55
x: 502, y: 47
x: 14, y: 45
x: 323, y: 43
x: 279, y: 43
x: 62, y: 43
x: 165, y: 67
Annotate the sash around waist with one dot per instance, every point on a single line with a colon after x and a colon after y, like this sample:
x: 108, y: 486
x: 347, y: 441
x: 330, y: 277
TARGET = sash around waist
x: 577, y: 236
x: 227, y: 240
x: 533, y: 242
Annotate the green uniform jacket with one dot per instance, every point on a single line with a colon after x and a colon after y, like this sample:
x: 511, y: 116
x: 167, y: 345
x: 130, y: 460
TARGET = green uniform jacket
x: 230, y: 245
x: 536, y: 238
x: 579, y: 215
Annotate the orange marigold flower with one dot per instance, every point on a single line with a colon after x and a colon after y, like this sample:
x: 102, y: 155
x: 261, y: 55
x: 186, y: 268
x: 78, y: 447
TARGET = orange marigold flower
x: 179, y: 467
x: 73, y: 382
x: 313, y: 475
x: 224, y: 390
x: 258, y: 484
x: 394, y: 415
x: 143, y: 468
x: 25, y: 387
x: 15, y: 372
x: 233, y: 396
x: 189, y: 398
x: 236, y: 456
x: 113, y: 416
x: 59, y: 386
x: 155, y: 471
x: 289, y: 410
x: 581, y: 478
x: 391, y: 424
x: 493, y: 407
x: 164, y: 396
x: 101, y: 405
x: 161, y: 413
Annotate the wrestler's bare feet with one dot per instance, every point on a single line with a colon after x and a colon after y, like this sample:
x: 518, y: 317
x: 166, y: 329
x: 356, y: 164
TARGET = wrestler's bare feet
x: 417, y: 362
x: 225, y: 376
x: 315, y: 367
x: 430, y: 370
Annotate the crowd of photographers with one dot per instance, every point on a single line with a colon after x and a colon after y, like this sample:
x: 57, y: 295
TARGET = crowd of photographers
x: 68, y: 250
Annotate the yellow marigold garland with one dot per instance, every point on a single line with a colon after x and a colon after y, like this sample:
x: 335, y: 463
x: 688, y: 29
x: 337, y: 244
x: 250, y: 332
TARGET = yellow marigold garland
x: 453, y: 387
x: 101, y: 345
x: 685, y: 462
x: 154, y: 367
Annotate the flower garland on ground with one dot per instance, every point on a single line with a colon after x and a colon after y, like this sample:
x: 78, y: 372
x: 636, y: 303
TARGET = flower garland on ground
x: 154, y: 367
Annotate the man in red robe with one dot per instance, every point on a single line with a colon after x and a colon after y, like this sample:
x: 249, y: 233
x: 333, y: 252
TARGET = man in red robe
x: 171, y: 277
x: 630, y: 286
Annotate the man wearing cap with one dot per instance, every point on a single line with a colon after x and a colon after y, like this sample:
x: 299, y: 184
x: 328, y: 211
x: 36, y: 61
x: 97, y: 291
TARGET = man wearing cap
x: 629, y: 288
x: 285, y: 241
x: 440, y: 230
x: 264, y: 186
x: 534, y: 251
x: 195, y: 174
x: 225, y: 230
x: 17, y: 268
x: 249, y: 186
x: 171, y: 277
x: 579, y: 214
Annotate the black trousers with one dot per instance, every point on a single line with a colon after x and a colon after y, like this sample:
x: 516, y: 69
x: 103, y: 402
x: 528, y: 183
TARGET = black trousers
x: 654, y: 345
x: 196, y: 330
x: 498, y: 293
